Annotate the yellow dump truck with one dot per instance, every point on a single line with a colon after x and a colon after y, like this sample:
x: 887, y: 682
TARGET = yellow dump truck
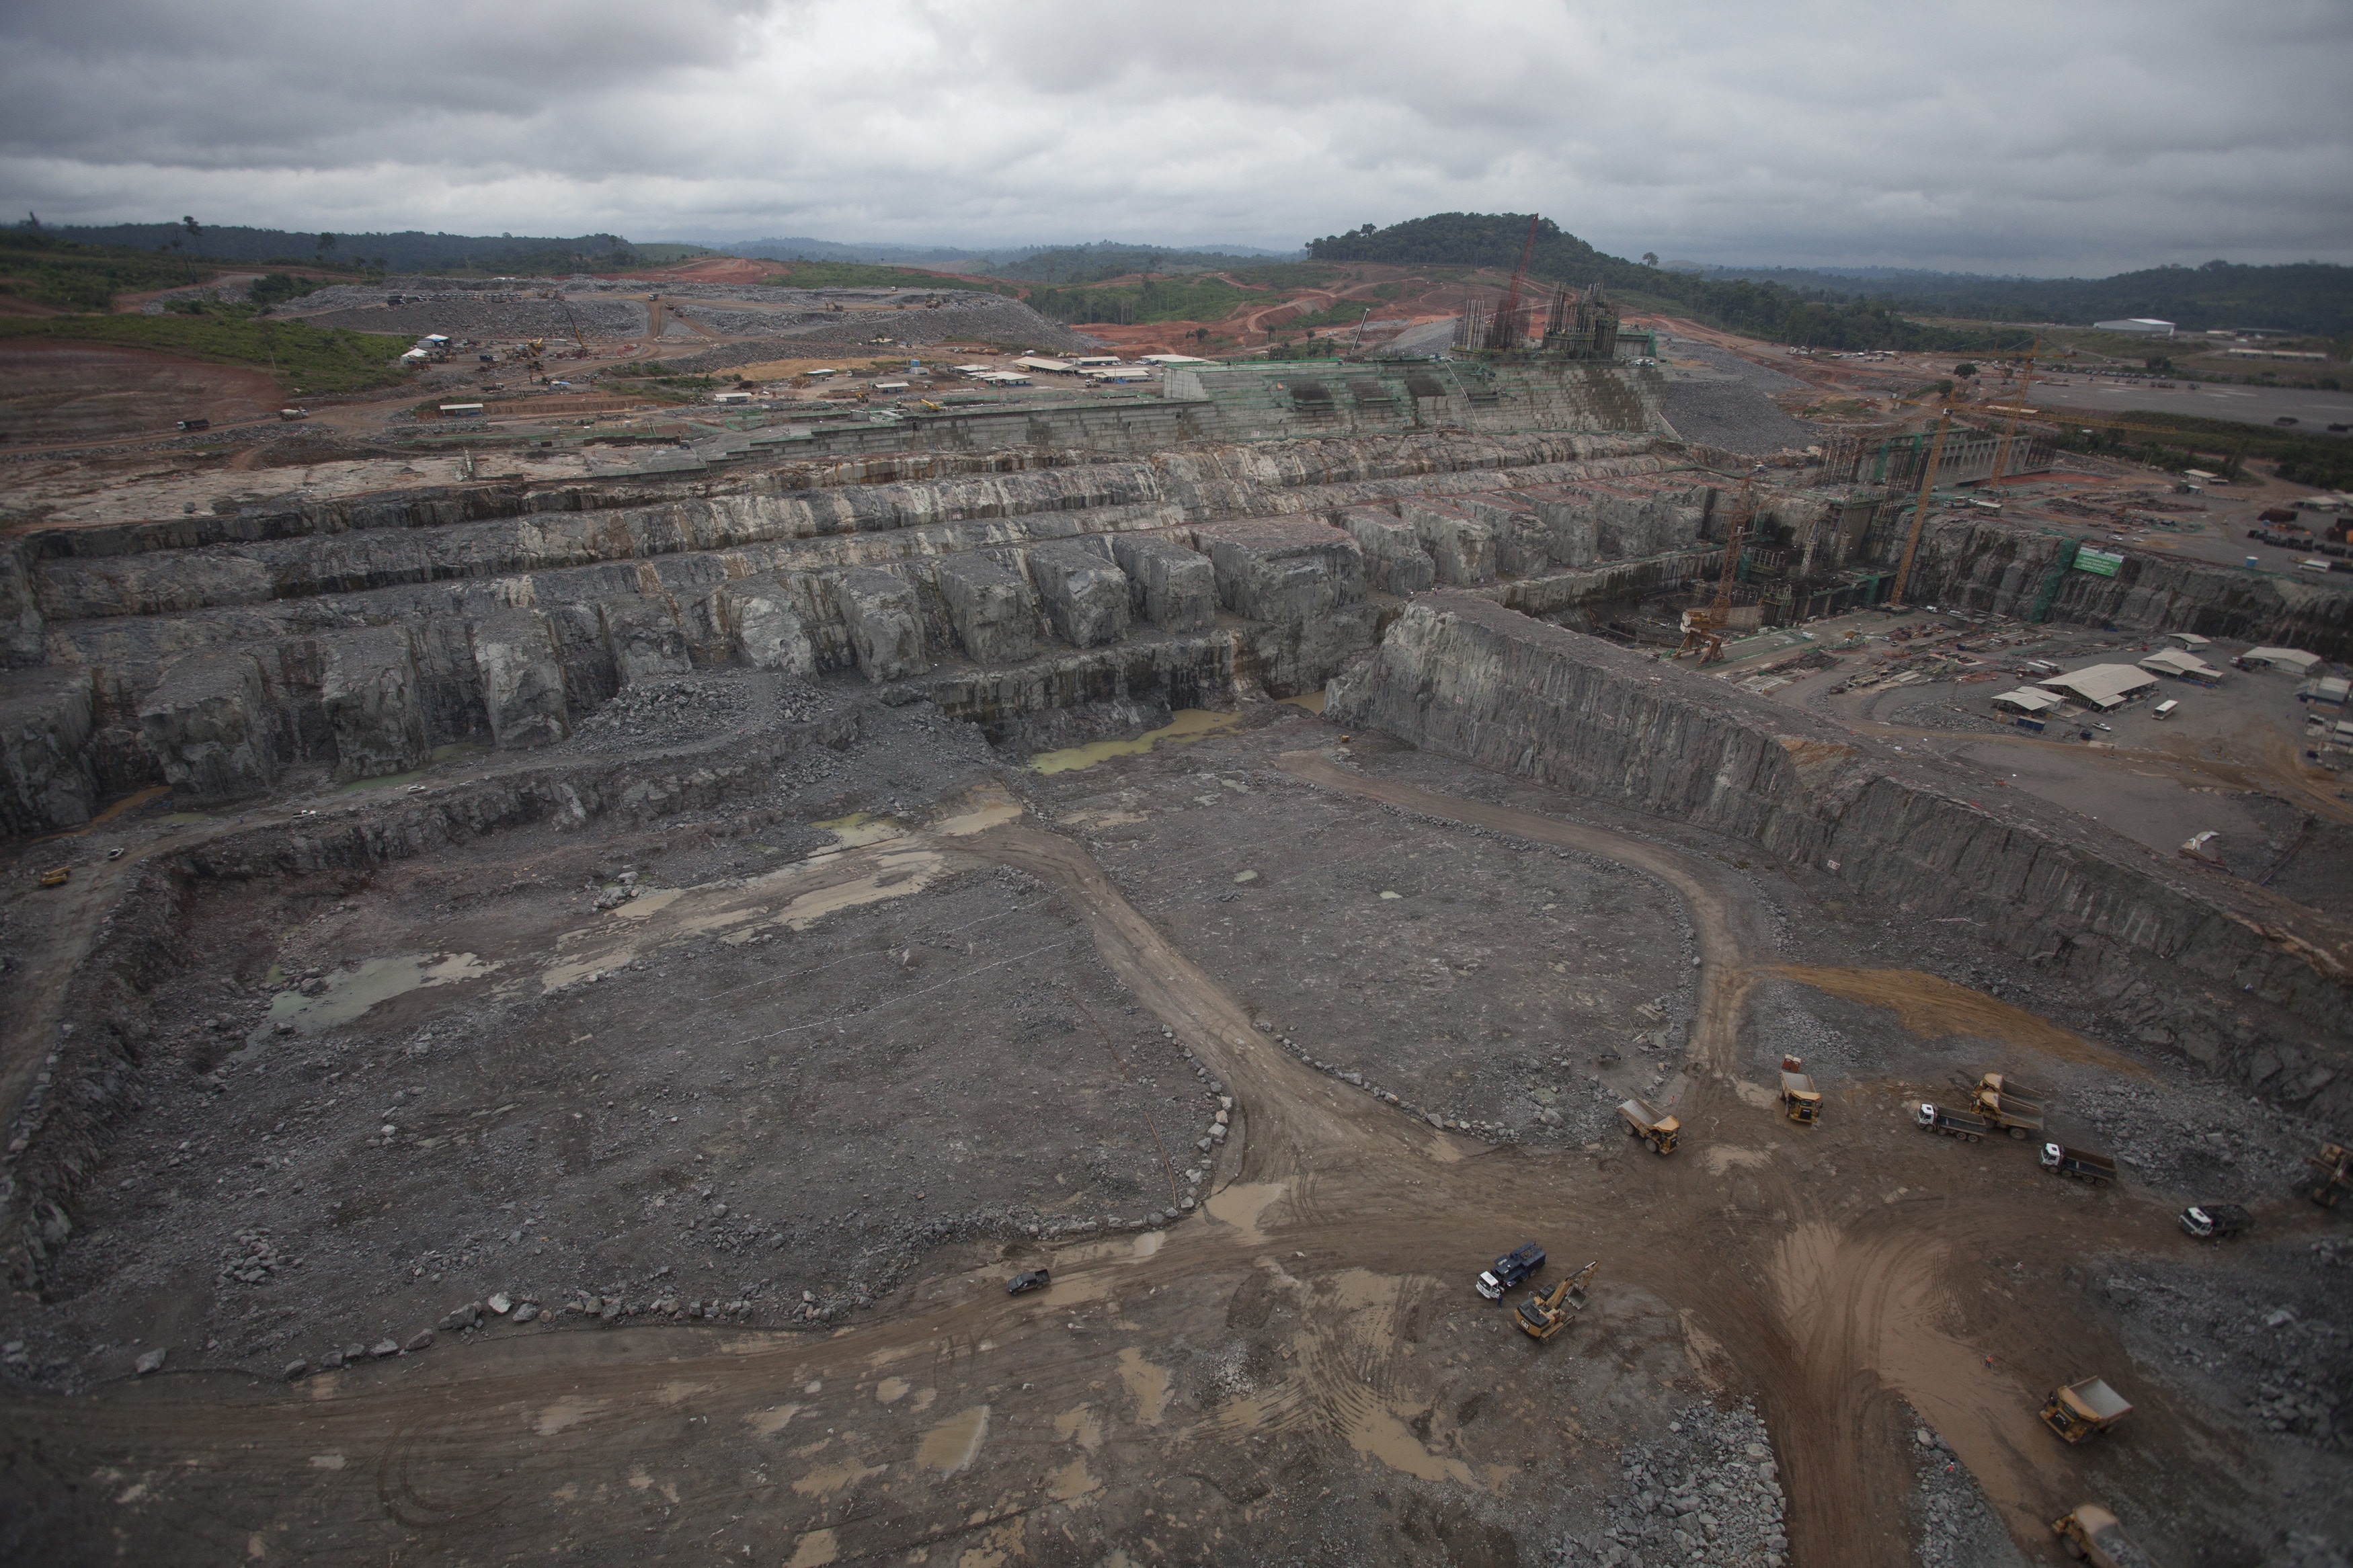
x: 2006, y: 1102
x: 2084, y: 1410
x: 2091, y: 1535
x: 1652, y: 1125
x: 2333, y: 1174
x: 1799, y: 1095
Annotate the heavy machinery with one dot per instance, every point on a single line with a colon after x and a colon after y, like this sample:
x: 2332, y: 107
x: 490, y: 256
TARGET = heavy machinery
x: 55, y: 877
x: 2091, y: 1535
x: 2009, y: 1104
x: 1545, y: 1312
x: 2335, y: 1164
x: 1703, y: 629
x: 2084, y: 1410
x: 1652, y: 1125
x: 1798, y: 1094
x: 1951, y: 1123
x: 2212, y: 1222
x: 1509, y: 1271
x: 2080, y: 1163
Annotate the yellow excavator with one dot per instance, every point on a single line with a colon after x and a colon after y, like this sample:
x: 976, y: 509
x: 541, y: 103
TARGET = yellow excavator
x: 1545, y: 1312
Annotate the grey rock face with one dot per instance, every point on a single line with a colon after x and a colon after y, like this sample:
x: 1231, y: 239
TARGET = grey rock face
x: 368, y: 687
x: 1395, y: 560
x: 1305, y: 580
x: 1085, y: 592
x: 992, y: 609
x: 885, y: 623
x: 522, y: 681
x: 1466, y: 677
x: 1462, y: 547
x: 1174, y: 588
x: 762, y: 619
x: 645, y: 636
x: 45, y: 729
x: 209, y: 724
x: 1523, y: 539
x: 1283, y: 569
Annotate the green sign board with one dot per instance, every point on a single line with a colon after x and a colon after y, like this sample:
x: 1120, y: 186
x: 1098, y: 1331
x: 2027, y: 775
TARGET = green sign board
x: 2099, y: 562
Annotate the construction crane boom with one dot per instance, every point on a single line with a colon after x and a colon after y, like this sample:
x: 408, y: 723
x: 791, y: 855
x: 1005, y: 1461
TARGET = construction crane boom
x: 1920, y: 510
x: 1506, y: 332
x: 2009, y: 431
x: 1703, y: 629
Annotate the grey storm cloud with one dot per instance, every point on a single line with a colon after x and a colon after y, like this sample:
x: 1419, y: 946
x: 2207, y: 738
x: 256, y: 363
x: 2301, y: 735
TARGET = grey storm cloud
x: 1994, y: 137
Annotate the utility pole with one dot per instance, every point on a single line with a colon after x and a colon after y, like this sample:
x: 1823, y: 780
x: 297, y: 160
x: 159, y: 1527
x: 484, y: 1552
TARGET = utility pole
x: 1920, y: 511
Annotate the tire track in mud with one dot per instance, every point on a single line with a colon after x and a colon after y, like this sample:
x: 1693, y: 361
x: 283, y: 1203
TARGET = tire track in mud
x: 1827, y: 1326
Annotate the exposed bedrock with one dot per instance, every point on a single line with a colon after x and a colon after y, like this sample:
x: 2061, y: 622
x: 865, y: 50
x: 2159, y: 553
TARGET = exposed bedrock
x: 992, y: 607
x: 2241, y: 979
x: 366, y: 648
x: 523, y: 696
x: 212, y: 727
x: 1085, y: 592
x: 1990, y: 565
x: 885, y: 624
x: 1174, y: 588
x: 46, y: 781
x: 70, y: 581
x: 369, y: 690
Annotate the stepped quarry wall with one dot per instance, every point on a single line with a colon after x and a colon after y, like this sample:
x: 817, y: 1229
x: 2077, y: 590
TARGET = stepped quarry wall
x: 215, y: 653
x: 2248, y: 983
x: 1989, y: 565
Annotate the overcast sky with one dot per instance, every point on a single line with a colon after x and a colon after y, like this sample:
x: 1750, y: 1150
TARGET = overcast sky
x: 2081, y: 138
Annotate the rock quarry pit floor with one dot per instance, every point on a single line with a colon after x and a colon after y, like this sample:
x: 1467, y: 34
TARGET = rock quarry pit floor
x: 1265, y: 1042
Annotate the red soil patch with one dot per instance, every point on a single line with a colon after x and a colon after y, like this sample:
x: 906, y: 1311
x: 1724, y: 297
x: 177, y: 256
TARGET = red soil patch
x: 55, y: 393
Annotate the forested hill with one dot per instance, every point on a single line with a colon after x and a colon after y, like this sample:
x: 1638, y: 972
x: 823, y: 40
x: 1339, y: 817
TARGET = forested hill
x: 1828, y: 310
x: 410, y: 251
x: 2311, y: 296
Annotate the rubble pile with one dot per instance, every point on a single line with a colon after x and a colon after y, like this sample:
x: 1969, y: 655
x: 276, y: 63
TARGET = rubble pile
x: 1707, y: 1492
x: 1958, y: 1529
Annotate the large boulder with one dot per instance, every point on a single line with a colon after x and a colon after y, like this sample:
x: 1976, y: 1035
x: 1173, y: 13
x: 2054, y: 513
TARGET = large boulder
x: 45, y: 729
x: 1303, y: 581
x: 1085, y: 592
x: 1462, y: 547
x: 991, y: 608
x: 1395, y: 560
x: 523, y: 689
x: 368, y: 687
x: 1174, y: 588
x: 645, y: 638
x: 885, y: 623
x: 763, y: 623
x: 210, y: 724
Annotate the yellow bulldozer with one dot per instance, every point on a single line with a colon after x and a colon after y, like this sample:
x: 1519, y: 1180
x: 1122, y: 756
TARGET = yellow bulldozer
x: 1545, y: 1312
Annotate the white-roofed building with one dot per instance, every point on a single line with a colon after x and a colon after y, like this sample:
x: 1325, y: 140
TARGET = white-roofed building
x: 2295, y: 660
x: 2026, y: 700
x: 2181, y: 666
x: 2101, y: 686
x: 2190, y: 640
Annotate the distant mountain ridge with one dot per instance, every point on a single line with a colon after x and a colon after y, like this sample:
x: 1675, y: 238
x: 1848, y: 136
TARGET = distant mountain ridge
x: 2302, y: 296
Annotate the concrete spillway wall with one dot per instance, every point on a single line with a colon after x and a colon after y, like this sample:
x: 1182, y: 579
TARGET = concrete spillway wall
x: 2246, y: 982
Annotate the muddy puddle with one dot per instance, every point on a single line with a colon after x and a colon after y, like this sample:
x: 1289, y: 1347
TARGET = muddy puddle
x: 352, y: 991
x: 1188, y: 725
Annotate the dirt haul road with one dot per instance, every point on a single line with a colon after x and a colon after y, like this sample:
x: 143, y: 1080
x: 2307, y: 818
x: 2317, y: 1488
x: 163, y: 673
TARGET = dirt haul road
x: 1221, y: 1391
